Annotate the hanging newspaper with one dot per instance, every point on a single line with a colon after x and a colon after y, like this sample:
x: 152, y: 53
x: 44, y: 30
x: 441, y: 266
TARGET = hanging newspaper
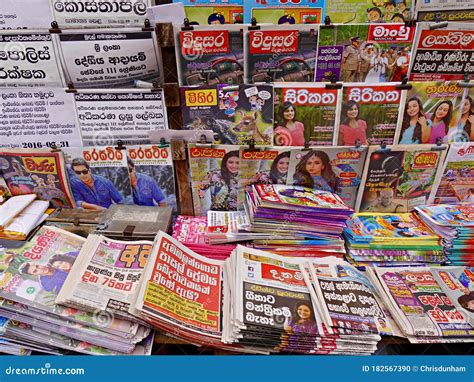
x: 182, y: 289
x: 442, y: 54
x: 368, y: 11
x: 99, y: 58
x: 398, y: 178
x: 152, y: 176
x: 284, y: 12
x: 440, y: 10
x: 38, y: 118
x: 106, y: 275
x: 280, y: 53
x: 25, y: 14
x: 305, y: 113
x: 369, y: 53
x: 109, y: 115
x: 37, y: 171
x: 29, y: 59
x: 331, y: 169
x: 210, y: 55
x: 91, y: 14
x: 99, y: 176
x: 456, y: 182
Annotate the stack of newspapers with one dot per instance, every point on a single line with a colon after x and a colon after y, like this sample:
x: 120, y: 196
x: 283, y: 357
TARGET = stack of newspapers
x: 391, y: 240
x: 455, y: 223
x: 298, y: 221
x: 430, y: 304
x: 32, y: 278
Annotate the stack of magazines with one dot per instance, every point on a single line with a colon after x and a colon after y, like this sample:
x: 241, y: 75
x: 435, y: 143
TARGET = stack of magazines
x: 192, y: 231
x: 391, y: 240
x: 430, y: 304
x: 455, y: 223
x: 34, y: 275
x: 299, y: 221
x: 283, y: 304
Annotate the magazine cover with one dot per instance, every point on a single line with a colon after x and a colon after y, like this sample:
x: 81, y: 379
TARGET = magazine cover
x: 423, y: 308
x: 109, y: 58
x: 283, y: 12
x: 369, y: 114
x: 236, y: 114
x: 105, y: 116
x: 441, y: 10
x: 99, y: 176
x: 281, y: 53
x: 305, y: 113
x: 458, y: 283
x: 442, y: 54
x: 152, y: 176
x: 111, y: 13
x: 398, y: 178
x: 368, y: 11
x: 205, y: 12
x: 332, y: 169
x: 106, y: 276
x: 456, y: 182
x: 37, y: 171
x: 369, y: 53
x: 215, y: 178
x: 210, y: 55
x: 266, y: 166
x: 430, y: 112
x: 182, y: 288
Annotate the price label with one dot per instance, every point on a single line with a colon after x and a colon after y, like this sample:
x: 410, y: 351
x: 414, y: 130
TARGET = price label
x: 207, y: 97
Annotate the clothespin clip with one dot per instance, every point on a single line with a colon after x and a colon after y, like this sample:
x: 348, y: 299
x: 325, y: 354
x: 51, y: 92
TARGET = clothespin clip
x: 334, y: 84
x: 156, y: 87
x: 120, y: 145
x: 163, y: 143
x: 383, y: 147
x: 253, y: 25
x: 54, y: 28
x: 439, y: 145
x: 147, y: 26
x: 54, y: 148
x: 358, y: 144
x: 438, y: 23
x: 404, y: 85
x: 327, y: 23
x: 306, y: 146
x: 203, y: 139
x: 186, y: 25
x: 71, y: 88
x: 467, y: 82
x: 252, y: 147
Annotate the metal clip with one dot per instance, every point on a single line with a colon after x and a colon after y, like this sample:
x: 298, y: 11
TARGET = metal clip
x: 467, y: 82
x: 383, y: 147
x: 54, y: 148
x: 147, y: 26
x: 439, y: 145
x: 54, y: 28
x: 334, y: 84
x: 252, y: 147
x: 163, y: 143
x: 120, y: 145
x: 306, y: 146
x: 71, y: 88
x: 438, y: 23
x: 253, y: 26
x: 186, y: 25
x: 327, y: 23
x: 404, y: 85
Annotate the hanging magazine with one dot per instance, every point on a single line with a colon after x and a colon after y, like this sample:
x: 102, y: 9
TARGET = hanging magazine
x: 368, y: 11
x: 280, y: 53
x: 305, y: 113
x: 442, y: 54
x: 331, y: 169
x: 444, y: 11
x: 456, y: 182
x: 207, y: 12
x: 106, y: 275
x: 283, y: 12
x: 38, y: 171
x: 210, y: 55
x: 236, y: 114
x: 99, y: 176
x: 398, y: 178
x: 369, y: 114
x: 370, y: 53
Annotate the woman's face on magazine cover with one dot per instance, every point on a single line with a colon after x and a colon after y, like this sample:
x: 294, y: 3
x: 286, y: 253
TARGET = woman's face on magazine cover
x: 233, y: 165
x: 314, y: 166
x: 353, y: 112
x: 304, y: 312
x: 289, y: 114
x: 413, y: 108
x: 282, y: 165
x: 466, y: 106
x: 442, y: 111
